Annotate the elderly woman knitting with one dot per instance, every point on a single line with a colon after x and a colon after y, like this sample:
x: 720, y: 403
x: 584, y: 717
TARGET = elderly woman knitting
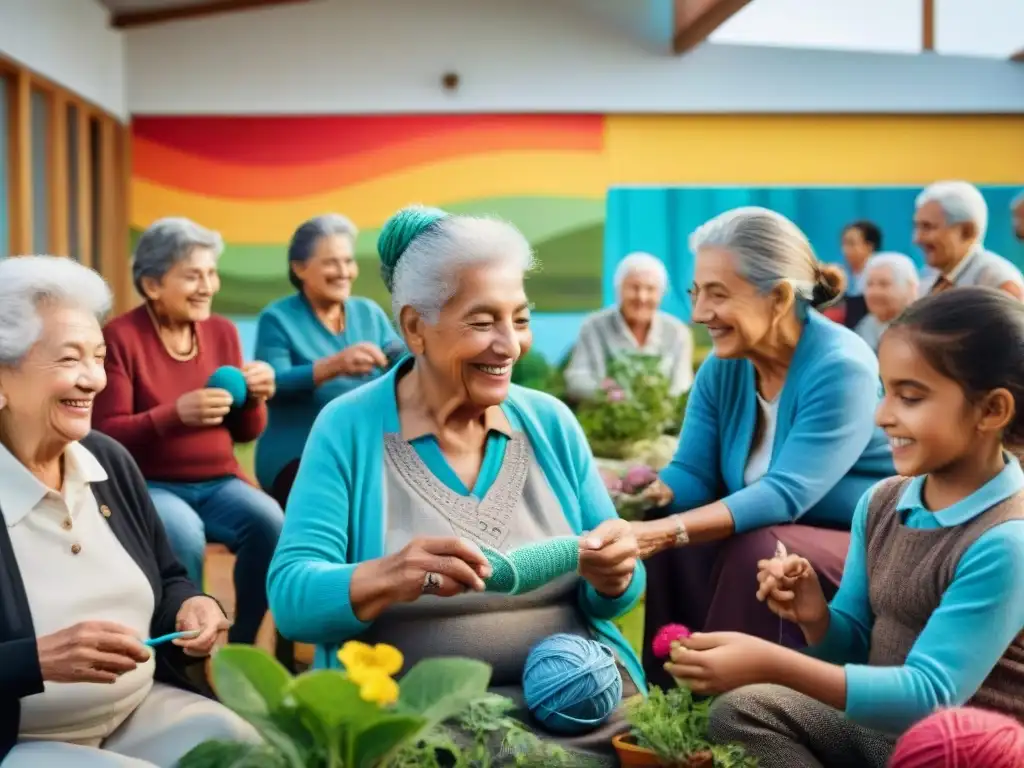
x: 321, y: 342
x: 182, y: 431
x: 407, y: 479
x: 781, y: 417
x: 635, y: 326
x: 86, y: 574
x: 890, y: 285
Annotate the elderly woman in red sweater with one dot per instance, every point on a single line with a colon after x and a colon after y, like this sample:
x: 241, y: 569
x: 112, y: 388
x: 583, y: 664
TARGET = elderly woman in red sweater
x: 181, y: 431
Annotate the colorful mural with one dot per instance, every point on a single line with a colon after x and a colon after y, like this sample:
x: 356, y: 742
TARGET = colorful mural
x: 255, y: 179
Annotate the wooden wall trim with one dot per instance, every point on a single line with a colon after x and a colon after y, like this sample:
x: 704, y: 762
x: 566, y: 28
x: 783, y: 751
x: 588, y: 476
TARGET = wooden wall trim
x: 927, y: 25
x: 19, y: 135
x: 129, y: 19
x: 84, y: 212
x: 57, y: 171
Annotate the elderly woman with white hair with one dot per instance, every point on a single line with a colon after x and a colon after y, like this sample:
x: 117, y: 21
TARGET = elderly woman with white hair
x: 778, y: 442
x: 405, y: 480
x: 181, y: 430
x: 635, y: 326
x: 890, y: 285
x: 86, y: 574
x: 321, y: 342
x: 950, y: 221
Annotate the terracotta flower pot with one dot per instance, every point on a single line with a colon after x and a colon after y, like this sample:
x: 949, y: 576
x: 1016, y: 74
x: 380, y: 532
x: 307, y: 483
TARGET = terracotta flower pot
x: 630, y: 754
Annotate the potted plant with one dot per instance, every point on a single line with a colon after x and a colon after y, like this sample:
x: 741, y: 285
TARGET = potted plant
x: 633, y: 404
x: 670, y: 729
x: 362, y: 717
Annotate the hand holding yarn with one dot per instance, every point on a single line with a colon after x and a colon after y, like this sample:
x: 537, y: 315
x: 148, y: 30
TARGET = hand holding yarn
x: 204, y: 407
x: 718, y: 662
x: 608, y: 557
x: 358, y: 359
x: 259, y: 380
x: 790, y: 587
x: 429, y: 565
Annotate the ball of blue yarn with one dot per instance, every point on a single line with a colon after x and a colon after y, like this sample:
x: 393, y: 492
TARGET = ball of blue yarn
x: 401, y: 229
x: 571, y: 684
x: 232, y: 379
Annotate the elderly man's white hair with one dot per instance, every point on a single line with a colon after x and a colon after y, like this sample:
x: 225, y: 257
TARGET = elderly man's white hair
x: 426, y: 276
x: 904, y: 271
x: 639, y: 262
x: 960, y: 201
x: 26, y: 282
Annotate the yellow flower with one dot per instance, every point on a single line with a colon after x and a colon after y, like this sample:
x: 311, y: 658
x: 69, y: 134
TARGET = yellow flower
x: 378, y: 688
x: 361, y: 660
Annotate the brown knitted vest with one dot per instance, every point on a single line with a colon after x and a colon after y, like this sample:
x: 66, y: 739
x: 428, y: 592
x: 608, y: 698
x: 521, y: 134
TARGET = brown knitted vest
x: 908, y: 572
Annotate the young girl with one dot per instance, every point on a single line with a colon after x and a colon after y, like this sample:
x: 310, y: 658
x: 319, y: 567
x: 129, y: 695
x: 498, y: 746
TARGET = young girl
x: 930, y: 610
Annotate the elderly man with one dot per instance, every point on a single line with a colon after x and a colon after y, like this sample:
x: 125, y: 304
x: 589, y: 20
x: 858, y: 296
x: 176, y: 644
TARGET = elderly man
x: 1017, y: 207
x: 890, y: 285
x: 636, y: 325
x: 949, y: 227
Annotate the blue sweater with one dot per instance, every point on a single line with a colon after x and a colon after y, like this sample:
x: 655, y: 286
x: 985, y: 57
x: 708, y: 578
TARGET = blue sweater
x: 827, y: 450
x: 291, y: 338
x: 981, y: 612
x: 335, y: 518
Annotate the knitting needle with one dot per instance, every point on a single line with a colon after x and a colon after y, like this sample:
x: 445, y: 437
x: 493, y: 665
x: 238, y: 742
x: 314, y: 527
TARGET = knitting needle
x: 154, y: 641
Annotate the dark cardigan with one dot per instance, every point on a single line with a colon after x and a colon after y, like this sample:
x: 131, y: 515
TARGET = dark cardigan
x: 135, y: 523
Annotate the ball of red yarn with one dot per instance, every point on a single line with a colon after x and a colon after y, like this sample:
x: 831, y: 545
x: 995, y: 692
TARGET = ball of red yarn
x: 661, y: 645
x: 964, y: 737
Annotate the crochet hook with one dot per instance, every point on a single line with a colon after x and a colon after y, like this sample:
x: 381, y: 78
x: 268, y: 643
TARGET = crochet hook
x: 154, y: 641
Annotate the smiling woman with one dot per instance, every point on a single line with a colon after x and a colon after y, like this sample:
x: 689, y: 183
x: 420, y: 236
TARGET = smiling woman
x: 159, y: 405
x: 404, y: 480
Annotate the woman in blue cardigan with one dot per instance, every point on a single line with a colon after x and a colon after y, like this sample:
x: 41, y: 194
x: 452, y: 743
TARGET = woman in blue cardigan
x: 403, y: 480
x: 321, y: 342
x: 778, y: 443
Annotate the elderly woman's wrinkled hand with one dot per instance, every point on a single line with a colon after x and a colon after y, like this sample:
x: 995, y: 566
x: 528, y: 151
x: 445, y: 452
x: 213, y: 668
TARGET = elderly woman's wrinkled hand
x: 359, y: 359
x: 608, y: 557
x: 259, y: 380
x: 204, y: 614
x: 204, y: 407
x: 90, y: 652
x: 657, y: 494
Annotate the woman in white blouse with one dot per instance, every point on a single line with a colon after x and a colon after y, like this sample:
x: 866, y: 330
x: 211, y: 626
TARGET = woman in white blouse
x: 86, y: 575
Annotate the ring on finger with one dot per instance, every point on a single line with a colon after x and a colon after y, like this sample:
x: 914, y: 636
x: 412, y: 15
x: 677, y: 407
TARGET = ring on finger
x: 431, y: 583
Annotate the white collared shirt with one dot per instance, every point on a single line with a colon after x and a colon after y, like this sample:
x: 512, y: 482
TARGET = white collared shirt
x: 74, y: 569
x: 979, y: 267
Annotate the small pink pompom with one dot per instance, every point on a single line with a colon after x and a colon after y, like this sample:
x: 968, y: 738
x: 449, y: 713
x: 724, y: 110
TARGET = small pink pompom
x: 662, y: 643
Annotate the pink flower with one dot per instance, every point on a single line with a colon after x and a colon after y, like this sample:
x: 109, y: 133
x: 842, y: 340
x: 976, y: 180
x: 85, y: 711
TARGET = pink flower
x: 616, y: 395
x: 608, y: 384
x: 662, y: 643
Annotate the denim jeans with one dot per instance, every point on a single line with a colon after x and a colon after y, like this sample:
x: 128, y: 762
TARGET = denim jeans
x: 231, y: 512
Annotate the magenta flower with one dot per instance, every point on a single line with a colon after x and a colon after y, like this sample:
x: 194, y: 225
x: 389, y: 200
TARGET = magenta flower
x: 662, y: 643
x: 616, y: 395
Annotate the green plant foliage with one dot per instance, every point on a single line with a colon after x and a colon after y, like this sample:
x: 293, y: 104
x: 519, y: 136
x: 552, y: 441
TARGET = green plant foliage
x: 674, y: 726
x: 320, y: 720
x: 633, y: 404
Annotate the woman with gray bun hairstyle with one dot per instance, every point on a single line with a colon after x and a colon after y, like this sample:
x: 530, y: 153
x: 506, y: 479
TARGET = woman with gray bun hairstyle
x: 778, y: 442
x: 321, y: 342
x: 406, y: 481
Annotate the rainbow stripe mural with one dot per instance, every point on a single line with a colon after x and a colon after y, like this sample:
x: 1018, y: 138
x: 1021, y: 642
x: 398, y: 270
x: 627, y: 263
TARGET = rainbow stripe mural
x: 256, y: 178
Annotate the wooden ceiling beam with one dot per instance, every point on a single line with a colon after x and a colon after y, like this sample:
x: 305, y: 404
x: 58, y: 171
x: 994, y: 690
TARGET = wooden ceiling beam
x: 695, y: 20
x: 129, y: 19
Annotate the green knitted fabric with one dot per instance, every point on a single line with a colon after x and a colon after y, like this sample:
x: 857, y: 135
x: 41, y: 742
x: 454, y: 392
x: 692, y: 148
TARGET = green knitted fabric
x: 401, y: 229
x: 531, y: 566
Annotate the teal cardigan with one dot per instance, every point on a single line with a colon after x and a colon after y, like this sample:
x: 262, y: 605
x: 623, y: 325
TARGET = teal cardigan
x: 291, y: 338
x: 335, y: 518
x: 827, y: 451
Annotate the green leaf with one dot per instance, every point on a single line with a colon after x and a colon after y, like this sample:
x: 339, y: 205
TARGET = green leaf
x: 384, y: 737
x: 334, y: 699
x: 232, y: 754
x: 249, y: 680
x: 438, y: 689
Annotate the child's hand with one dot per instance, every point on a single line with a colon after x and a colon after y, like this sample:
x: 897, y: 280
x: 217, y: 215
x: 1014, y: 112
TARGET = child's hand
x: 790, y: 587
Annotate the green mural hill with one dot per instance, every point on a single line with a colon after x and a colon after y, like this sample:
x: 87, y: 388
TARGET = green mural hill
x: 568, y: 278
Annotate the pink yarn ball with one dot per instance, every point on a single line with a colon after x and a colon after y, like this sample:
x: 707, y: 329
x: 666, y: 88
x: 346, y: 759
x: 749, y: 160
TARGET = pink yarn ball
x: 662, y: 643
x: 964, y: 737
